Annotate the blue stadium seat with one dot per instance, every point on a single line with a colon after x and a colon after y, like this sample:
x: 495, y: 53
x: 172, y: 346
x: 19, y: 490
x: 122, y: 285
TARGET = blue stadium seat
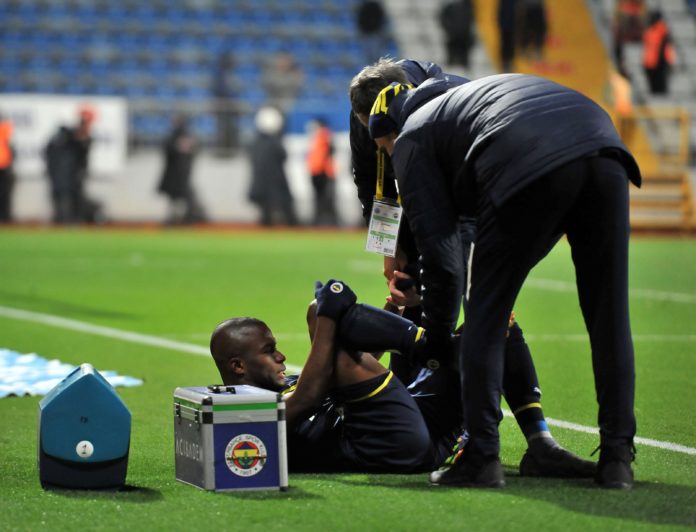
x: 204, y: 126
x: 167, y: 49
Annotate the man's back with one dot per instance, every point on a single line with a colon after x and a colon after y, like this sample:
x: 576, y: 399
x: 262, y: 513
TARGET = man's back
x: 502, y: 132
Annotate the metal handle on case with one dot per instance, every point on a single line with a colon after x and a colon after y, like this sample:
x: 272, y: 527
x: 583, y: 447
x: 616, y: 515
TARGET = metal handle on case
x: 221, y: 388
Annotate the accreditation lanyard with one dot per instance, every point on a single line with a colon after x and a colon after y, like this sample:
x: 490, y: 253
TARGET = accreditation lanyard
x: 385, y: 218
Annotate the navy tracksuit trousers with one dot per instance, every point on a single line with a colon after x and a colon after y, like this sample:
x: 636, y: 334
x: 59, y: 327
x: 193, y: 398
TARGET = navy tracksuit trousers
x: 587, y: 200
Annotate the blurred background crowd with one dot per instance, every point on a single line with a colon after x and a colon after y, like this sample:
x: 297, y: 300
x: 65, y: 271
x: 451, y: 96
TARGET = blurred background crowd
x: 199, y: 111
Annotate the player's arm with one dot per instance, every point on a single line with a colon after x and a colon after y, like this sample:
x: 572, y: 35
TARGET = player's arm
x: 435, y: 226
x: 317, y: 376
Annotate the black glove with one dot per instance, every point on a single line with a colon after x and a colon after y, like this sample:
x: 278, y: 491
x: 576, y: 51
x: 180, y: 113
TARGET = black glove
x: 333, y: 299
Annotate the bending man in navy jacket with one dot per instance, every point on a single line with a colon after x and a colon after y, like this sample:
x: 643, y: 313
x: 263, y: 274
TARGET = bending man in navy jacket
x: 544, y: 456
x: 531, y: 160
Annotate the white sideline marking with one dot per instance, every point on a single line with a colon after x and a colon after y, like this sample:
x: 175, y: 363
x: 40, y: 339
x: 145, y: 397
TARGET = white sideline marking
x: 636, y: 337
x: 289, y: 336
x: 581, y: 337
x: 642, y: 293
x: 592, y: 430
x: 109, y: 332
x: 145, y: 339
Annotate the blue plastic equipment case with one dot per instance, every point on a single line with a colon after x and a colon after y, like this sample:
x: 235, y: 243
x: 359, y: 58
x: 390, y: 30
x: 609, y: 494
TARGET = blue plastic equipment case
x: 84, y: 433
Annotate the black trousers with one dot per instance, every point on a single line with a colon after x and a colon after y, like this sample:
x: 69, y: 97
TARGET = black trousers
x: 587, y: 200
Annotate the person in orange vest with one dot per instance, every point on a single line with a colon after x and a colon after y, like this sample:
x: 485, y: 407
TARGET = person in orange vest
x: 320, y: 165
x: 6, y: 170
x: 658, y: 53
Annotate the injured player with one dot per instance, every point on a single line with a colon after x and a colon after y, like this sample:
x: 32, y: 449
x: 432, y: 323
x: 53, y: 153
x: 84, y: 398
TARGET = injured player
x: 346, y: 411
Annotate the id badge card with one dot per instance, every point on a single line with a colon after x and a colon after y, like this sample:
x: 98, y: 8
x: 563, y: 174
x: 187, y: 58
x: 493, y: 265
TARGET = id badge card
x: 384, y: 227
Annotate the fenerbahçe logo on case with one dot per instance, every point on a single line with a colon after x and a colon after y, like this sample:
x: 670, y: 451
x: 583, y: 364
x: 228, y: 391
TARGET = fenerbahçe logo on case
x: 245, y: 455
x: 336, y: 287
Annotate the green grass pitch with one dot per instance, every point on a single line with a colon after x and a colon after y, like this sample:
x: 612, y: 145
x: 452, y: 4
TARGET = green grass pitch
x: 178, y: 285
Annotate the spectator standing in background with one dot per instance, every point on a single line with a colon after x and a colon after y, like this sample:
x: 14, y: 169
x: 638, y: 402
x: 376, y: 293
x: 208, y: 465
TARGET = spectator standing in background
x: 507, y: 23
x: 67, y: 158
x: 320, y: 165
x: 269, y: 186
x: 534, y: 27
x: 627, y: 26
x: 225, y: 94
x: 6, y: 170
x: 179, y: 152
x: 456, y: 19
x: 282, y: 81
x: 371, y: 20
x: 658, y: 53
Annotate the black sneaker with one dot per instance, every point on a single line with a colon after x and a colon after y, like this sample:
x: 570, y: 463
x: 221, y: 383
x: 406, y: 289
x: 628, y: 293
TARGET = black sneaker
x: 471, y: 471
x: 554, y: 461
x: 614, y: 468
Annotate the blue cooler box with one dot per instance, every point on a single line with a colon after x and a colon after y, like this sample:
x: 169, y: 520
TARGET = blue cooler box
x: 84, y: 433
x: 230, y: 438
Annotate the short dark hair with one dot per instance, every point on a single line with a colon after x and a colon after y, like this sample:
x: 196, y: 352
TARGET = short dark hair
x: 367, y: 83
x: 227, y: 339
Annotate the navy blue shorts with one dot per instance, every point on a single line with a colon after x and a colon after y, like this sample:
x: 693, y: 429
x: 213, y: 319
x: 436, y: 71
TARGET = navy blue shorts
x: 374, y: 426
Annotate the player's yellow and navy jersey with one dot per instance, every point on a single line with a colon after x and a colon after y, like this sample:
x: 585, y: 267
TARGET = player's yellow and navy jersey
x: 290, y: 384
x: 376, y: 425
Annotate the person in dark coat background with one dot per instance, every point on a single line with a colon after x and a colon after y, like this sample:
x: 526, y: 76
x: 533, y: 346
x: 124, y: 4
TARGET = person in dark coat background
x: 531, y: 160
x: 507, y: 28
x: 226, y: 91
x: 534, y: 28
x: 456, y: 18
x: 372, y: 23
x: 269, y: 184
x: 67, y: 159
x: 179, y: 153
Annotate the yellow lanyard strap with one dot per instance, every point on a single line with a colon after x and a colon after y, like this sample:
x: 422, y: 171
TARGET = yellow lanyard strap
x: 379, y: 192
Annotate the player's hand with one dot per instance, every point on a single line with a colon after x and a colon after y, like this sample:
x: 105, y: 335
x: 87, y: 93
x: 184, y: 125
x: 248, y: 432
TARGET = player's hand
x: 333, y: 298
x: 402, y: 290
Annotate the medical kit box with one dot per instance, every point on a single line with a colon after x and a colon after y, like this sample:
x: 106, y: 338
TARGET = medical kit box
x: 230, y: 438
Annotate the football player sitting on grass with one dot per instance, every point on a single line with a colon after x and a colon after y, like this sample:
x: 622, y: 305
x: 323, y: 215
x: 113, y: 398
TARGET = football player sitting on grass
x: 346, y: 411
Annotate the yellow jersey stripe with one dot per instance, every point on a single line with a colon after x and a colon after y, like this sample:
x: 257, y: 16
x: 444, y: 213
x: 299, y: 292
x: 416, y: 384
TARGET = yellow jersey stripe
x: 376, y: 390
x: 289, y: 390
